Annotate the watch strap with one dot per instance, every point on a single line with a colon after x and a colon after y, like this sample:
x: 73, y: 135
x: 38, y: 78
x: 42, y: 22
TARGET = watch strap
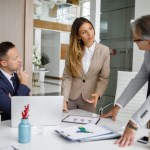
x: 129, y: 125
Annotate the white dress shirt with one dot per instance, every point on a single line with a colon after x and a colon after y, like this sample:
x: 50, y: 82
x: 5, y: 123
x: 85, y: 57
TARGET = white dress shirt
x: 87, y: 57
x: 131, y: 118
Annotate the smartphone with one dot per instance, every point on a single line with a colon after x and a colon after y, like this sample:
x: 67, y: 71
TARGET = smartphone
x: 143, y: 139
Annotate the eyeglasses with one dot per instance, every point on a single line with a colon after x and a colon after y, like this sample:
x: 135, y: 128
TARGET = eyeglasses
x: 139, y: 40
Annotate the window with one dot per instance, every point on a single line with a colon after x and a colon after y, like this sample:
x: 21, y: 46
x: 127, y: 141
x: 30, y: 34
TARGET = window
x: 85, y: 9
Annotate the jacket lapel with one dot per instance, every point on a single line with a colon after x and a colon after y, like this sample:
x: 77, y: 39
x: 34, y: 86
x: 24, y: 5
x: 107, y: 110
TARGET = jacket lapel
x: 83, y: 75
x: 5, y: 80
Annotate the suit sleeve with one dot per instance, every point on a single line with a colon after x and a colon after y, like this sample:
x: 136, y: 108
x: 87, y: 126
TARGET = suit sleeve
x: 104, y: 74
x: 66, y: 83
x: 142, y: 115
x: 22, y: 90
x: 5, y: 101
x: 134, y: 86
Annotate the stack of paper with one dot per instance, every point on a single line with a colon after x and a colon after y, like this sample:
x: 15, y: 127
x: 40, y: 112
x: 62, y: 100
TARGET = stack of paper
x: 113, y: 135
x: 88, y: 132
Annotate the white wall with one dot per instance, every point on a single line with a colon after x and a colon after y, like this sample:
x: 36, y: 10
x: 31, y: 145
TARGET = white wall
x: 142, y: 7
x: 16, y: 25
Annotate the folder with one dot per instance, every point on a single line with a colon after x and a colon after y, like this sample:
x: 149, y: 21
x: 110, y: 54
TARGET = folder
x: 83, y: 133
x: 113, y: 135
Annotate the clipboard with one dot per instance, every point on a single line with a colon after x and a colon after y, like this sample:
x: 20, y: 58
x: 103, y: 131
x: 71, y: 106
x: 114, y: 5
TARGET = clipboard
x: 111, y: 136
x: 81, y: 119
x: 74, y: 133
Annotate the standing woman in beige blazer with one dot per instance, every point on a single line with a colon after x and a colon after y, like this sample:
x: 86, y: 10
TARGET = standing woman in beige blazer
x: 87, y: 69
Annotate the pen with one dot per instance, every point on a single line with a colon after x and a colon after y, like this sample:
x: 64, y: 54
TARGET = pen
x: 14, y: 148
x: 83, y: 130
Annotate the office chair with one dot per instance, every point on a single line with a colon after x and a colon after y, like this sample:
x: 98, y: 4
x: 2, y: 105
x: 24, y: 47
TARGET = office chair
x: 124, y: 114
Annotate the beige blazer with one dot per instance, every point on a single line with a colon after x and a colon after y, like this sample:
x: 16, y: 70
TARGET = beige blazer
x: 94, y: 81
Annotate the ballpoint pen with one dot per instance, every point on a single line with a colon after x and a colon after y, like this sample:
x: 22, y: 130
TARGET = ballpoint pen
x: 14, y: 148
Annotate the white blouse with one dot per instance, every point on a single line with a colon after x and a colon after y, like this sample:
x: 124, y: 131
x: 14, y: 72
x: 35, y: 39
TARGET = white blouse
x: 87, y: 58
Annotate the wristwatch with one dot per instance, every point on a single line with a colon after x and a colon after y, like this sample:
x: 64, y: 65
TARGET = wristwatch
x: 129, y: 125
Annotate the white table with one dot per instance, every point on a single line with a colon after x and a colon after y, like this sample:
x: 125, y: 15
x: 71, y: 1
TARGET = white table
x: 51, y: 140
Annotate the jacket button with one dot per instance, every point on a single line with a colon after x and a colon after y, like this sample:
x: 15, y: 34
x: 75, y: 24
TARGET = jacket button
x: 83, y: 80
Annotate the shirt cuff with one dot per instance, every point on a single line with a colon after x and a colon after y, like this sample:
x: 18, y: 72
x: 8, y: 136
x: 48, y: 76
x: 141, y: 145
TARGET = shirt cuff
x: 118, y: 105
x: 135, y: 123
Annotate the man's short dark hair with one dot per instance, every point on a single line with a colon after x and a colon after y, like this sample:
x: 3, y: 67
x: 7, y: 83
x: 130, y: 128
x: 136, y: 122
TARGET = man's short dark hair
x: 4, y: 48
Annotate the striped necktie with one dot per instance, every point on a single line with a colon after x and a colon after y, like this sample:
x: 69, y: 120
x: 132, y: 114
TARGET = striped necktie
x: 14, y: 83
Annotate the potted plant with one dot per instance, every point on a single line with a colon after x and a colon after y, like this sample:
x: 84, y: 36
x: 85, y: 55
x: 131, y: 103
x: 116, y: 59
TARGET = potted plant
x: 36, y: 58
x: 44, y: 60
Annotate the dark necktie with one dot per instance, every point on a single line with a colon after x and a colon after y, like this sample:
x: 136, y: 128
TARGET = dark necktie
x: 14, y: 82
x: 148, y: 91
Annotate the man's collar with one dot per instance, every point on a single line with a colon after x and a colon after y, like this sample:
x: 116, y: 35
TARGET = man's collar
x: 8, y: 76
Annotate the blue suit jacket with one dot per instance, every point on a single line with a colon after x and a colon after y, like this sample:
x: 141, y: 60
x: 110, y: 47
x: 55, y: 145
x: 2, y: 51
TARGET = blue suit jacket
x: 6, y: 89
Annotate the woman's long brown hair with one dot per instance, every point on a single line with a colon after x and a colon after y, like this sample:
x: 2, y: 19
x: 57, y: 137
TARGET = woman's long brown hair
x: 76, y: 48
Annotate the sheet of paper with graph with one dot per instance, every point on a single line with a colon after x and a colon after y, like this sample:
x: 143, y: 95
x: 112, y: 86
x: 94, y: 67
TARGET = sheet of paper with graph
x: 81, y: 119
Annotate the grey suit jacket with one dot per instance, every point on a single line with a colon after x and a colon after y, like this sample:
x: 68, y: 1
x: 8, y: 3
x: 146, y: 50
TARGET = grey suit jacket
x: 142, y: 115
x: 95, y: 81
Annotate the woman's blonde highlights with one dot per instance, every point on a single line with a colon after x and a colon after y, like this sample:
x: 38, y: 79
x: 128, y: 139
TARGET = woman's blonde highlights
x: 76, y: 48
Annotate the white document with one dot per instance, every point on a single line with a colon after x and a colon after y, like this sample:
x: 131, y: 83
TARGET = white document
x: 78, y: 132
x: 81, y: 119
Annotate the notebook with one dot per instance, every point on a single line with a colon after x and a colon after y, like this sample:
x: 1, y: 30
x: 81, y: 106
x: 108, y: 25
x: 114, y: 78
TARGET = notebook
x: 44, y: 110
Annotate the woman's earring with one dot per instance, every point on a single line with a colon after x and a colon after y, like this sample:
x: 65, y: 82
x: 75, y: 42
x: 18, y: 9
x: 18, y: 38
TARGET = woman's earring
x: 79, y: 41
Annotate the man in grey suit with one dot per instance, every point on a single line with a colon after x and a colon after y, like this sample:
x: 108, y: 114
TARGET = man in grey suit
x: 141, y: 35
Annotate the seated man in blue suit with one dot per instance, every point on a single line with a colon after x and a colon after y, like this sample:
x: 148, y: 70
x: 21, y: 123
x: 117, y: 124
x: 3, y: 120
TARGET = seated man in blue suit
x: 13, y: 80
